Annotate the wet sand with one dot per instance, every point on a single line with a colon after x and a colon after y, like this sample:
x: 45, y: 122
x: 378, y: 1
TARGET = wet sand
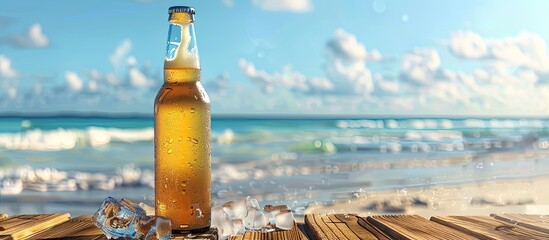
x: 530, y: 196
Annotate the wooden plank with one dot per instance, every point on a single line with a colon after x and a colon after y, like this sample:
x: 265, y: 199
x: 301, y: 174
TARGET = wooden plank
x: 536, y: 222
x: 293, y: 234
x: 332, y: 227
x: 484, y: 227
x: 81, y: 226
x: 414, y: 227
x: 351, y: 221
x: 318, y: 229
x: 372, y: 229
x: 24, y: 226
x: 342, y: 226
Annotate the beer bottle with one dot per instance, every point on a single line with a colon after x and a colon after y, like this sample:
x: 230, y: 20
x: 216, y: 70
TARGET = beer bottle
x: 182, y: 131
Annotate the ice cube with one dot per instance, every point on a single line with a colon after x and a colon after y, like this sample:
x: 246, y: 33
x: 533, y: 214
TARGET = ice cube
x: 163, y: 228
x: 228, y: 209
x: 284, y: 220
x: 226, y: 228
x: 119, y: 219
x: 252, y: 202
x: 148, y: 209
x: 255, y: 219
x: 218, y: 214
x: 239, y: 226
x: 240, y: 208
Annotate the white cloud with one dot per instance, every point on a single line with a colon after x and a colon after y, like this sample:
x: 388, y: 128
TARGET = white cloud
x: 287, y: 78
x: 228, y: 3
x: 468, y: 45
x: 321, y: 84
x: 119, y: 55
x: 220, y: 85
x: 386, y: 86
x: 33, y: 38
x: 525, y: 50
x: 346, y: 64
x: 131, y: 61
x: 345, y: 46
x: 6, y: 71
x: 284, y: 5
x: 138, y: 79
x: 74, y: 83
x: 421, y: 66
x: 92, y: 86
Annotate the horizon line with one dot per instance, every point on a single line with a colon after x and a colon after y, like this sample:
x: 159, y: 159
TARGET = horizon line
x: 95, y: 114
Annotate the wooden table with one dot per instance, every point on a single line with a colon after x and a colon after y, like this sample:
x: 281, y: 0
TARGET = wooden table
x: 316, y: 226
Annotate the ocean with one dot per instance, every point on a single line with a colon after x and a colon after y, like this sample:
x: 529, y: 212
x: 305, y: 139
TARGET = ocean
x: 71, y: 163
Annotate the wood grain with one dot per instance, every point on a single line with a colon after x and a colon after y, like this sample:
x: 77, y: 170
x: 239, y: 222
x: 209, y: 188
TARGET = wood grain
x: 410, y: 227
x: 484, y: 227
x: 25, y: 226
x: 293, y: 234
x: 81, y: 226
x: 536, y: 222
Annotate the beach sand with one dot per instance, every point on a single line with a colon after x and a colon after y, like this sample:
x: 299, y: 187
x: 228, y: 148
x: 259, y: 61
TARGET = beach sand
x: 530, y: 196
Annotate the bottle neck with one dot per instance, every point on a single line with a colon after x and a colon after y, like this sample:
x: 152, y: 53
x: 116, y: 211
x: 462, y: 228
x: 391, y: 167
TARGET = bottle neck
x: 181, y: 75
x: 181, y: 49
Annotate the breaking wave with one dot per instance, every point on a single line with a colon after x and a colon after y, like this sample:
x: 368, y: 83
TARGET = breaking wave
x: 64, y: 139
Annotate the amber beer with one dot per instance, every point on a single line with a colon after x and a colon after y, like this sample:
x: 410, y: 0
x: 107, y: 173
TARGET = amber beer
x: 182, y: 131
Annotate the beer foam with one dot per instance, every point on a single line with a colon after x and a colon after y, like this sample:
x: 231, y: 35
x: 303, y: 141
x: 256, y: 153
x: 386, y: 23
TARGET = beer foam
x: 184, y: 57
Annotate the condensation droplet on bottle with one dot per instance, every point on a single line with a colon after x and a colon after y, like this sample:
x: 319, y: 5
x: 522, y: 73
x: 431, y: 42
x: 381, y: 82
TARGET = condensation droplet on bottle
x: 184, y: 191
x: 163, y: 94
x: 184, y: 183
x: 192, y: 210
x: 188, y: 139
x: 183, y: 226
x: 169, y: 151
x: 195, y: 141
x: 179, y: 139
x: 165, y: 186
x: 199, y: 213
x: 195, y: 97
x: 192, y: 110
x: 171, y: 140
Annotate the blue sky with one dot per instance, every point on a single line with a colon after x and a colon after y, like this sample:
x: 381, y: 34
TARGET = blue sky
x: 282, y: 56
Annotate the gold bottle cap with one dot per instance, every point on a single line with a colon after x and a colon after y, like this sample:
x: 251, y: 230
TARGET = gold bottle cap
x: 181, y: 9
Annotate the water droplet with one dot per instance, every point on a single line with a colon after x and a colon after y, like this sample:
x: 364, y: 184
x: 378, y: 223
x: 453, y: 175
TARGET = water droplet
x: 195, y: 141
x: 183, y: 226
x: 195, y: 97
x: 163, y: 94
x: 199, y: 213
x: 179, y: 139
x: 188, y: 139
x: 171, y: 140
x: 165, y: 186
x: 192, y: 110
x: 184, y: 184
x: 318, y: 143
x: 169, y: 151
x: 192, y: 210
x: 184, y: 191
